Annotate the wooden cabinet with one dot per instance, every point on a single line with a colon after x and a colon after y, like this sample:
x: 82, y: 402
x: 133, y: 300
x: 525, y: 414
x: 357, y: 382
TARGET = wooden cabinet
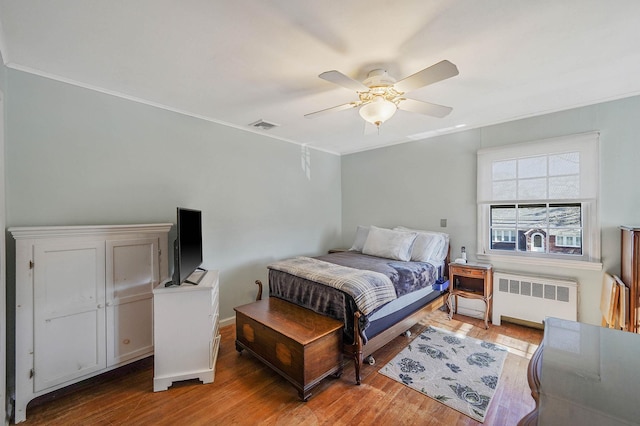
x: 302, y: 346
x: 584, y: 374
x: 630, y: 274
x: 83, y: 302
x: 472, y: 281
x: 186, y: 330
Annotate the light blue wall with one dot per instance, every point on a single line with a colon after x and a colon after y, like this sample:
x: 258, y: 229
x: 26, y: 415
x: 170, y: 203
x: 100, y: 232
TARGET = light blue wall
x: 417, y: 184
x: 3, y: 74
x: 3, y: 310
x: 76, y: 156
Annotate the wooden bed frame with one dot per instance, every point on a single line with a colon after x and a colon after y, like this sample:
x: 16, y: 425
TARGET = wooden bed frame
x: 359, y: 351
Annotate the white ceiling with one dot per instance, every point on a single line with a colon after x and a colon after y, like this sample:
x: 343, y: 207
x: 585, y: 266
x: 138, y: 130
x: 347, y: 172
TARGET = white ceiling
x: 239, y: 61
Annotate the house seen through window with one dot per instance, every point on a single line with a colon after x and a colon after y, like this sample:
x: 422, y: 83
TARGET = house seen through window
x: 541, y: 228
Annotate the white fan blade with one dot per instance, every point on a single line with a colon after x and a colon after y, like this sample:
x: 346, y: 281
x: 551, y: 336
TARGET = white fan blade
x: 438, y: 72
x: 340, y: 79
x: 425, y: 108
x: 332, y: 109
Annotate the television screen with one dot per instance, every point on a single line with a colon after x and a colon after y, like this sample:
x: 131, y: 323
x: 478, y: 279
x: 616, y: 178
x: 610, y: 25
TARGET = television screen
x: 188, y: 245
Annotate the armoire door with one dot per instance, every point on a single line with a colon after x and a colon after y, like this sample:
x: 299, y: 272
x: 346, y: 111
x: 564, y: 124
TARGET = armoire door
x: 132, y: 272
x: 69, y: 315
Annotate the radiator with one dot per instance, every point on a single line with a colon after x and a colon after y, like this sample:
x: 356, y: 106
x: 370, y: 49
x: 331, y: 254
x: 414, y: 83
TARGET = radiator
x: 532, y: 298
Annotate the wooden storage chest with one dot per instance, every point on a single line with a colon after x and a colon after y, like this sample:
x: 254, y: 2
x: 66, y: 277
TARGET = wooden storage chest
x: 302, y: 346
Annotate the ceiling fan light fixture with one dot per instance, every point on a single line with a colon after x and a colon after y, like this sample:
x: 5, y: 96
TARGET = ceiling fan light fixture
x: 378, y: 111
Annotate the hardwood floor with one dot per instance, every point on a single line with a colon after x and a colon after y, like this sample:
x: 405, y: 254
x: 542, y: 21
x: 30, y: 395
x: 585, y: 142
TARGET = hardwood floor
x: 245, y: 392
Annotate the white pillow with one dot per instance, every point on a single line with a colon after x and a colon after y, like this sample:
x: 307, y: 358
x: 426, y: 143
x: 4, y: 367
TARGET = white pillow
x: 441, y: 255
x: 389, y: 244
x: 425, y: 247
x: 361, y: 237
x: 429, y: 245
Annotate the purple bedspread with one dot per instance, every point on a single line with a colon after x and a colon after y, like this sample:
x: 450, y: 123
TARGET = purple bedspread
x: 405, y: 276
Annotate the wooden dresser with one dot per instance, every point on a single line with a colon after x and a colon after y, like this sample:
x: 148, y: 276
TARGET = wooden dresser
x: 302, y: 346
x: 630, y: 274
x: 584, y: 374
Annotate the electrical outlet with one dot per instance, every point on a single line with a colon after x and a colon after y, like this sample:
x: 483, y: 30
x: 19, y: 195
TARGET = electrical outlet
x: 443, y: 223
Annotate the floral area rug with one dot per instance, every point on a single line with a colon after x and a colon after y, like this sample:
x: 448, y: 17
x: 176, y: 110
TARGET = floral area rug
x: 460, y: 372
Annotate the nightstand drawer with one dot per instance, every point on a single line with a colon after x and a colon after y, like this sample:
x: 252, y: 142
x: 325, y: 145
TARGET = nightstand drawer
x: 468, y: 272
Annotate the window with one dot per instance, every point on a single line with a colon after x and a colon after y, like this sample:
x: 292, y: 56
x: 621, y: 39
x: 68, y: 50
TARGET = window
x: 538, y: 199
x: 541, y: 228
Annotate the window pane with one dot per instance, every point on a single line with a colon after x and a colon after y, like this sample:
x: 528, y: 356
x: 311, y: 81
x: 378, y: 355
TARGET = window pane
x: 555, y: 176
x: 503, y: 227
x: 563, y: 216
x: 564, y: 187
x: 532, y: 217
x: 532, y: 189
x: 505, y: 190
x: 502, y: 170
x: 565, y: 241
x: 532, y: 167
x: 564, y: 164
x: 502, y: 216
x: 537, y: 228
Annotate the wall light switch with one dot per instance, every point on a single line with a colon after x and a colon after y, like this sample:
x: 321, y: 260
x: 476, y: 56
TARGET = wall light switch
x: 443, y: 223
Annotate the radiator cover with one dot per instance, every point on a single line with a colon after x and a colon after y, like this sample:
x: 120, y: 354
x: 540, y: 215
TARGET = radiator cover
x: 533, y: 298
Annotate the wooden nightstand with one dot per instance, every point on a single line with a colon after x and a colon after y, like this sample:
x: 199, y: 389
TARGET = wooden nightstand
x: 473, y: 281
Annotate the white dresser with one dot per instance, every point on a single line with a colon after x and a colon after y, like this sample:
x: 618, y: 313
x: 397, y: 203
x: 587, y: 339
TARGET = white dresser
x: 84, y: 302
x: 186, y: 330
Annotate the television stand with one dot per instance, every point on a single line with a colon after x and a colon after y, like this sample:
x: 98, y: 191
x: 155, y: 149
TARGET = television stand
x: 179, y: 355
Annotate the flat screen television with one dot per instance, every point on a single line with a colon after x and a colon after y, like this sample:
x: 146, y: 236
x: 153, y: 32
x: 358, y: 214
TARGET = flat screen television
x: 187, y: 249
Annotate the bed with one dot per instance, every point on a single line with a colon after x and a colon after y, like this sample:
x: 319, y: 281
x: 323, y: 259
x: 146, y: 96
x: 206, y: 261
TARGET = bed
x: 353, y: 286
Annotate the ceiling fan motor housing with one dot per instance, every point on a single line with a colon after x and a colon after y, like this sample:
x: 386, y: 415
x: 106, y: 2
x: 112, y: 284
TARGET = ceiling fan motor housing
x: 378, y: 78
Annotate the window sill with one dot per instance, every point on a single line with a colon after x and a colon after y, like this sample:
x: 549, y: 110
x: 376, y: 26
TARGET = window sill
x: 536, y: 261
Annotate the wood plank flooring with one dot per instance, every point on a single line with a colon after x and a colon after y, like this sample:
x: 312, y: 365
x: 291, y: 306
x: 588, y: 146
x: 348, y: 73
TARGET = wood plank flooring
x: 245, y: 392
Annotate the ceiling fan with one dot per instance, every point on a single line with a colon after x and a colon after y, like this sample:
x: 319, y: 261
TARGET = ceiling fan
x: 380, y: 95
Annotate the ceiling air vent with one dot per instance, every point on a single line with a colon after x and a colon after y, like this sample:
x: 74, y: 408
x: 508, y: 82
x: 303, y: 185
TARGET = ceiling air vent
x: 264, y: 125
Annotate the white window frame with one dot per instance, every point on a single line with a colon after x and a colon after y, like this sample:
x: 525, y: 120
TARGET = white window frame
x: 587, y: 144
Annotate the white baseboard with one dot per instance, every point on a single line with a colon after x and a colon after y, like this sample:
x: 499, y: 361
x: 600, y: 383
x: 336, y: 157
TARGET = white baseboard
x: 228, y: 321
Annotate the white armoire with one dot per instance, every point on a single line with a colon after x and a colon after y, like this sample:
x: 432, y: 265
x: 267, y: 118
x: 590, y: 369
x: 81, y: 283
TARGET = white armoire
x: 84, y: 302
